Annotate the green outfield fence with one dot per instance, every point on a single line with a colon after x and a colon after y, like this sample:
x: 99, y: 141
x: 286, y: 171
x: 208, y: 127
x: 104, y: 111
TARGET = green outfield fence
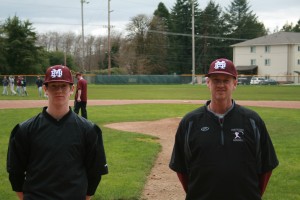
x: 155, y: 79
x: 122, y: 79
x: 142, y: 79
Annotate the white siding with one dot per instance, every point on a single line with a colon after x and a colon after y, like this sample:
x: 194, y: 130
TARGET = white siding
x: 278, y: 59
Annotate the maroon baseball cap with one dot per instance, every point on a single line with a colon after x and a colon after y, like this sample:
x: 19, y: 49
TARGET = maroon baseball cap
x: 222, y: 66
x: 58, y: 73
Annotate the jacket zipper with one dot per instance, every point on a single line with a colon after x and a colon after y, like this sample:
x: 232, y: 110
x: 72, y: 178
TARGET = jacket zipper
x: 221, y: 121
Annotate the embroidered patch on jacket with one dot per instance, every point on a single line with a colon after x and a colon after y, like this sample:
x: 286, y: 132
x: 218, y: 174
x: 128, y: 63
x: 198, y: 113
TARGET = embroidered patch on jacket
x: 238, y: 135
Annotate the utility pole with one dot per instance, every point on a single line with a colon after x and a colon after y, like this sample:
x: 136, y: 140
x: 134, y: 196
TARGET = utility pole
x: 82, y: 31
x: 108, y: 42
x: 193, y: 42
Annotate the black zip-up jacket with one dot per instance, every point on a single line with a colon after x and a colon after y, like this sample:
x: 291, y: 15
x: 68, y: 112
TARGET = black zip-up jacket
x: 49, y: 159
x: 223, y: 157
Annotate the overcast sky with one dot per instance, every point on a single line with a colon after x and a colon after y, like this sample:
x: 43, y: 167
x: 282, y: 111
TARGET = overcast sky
x: 65, y: 15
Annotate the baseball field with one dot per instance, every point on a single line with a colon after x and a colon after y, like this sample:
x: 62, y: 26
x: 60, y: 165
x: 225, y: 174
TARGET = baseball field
x: 132, y: 154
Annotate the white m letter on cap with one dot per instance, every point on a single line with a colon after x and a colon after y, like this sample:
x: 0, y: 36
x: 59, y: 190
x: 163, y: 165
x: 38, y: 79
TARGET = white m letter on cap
x: 56, y: 73
x: 220, y: 65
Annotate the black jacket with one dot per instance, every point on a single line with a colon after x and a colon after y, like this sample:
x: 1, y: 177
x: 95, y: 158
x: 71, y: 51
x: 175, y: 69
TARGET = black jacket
x: 50, y: 159
x: 223, y: 158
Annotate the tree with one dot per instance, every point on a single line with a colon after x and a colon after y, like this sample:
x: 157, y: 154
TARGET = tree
x: 291, y: 28
x: 116, y: 60
x: 181, y: 41
x: 3, y: 62
x: 157, y: 42
x: 212, y: 27
x: 137, y: 29
x: 19, y: 39
x: 137, y: 34
x: 297, y: 27
x: 241, y: 21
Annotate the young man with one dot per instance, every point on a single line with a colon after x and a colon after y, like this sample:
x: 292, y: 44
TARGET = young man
x: 5, y: 83
x: 12, y: 85
x: 39, y: 84
x: 23, y: 85
x: 19, y: 86
x: 56, y: 154
x: 81, y: 95
x: 223, y: 150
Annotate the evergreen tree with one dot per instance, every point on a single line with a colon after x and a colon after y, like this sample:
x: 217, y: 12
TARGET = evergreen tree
x: 3, y: 63
x: 212, y: 29
x: 19, y: 40
x: 157, y: 41
x: 163, y: 13
x: 297, y: 27
x: 181, y: 41
x: 241, y: 21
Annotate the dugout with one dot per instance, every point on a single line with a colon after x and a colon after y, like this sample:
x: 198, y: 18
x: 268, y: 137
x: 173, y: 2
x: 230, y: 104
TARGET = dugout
x: 247, y: 69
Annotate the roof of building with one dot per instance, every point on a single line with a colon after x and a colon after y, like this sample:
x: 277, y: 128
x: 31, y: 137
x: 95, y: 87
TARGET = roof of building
x: 279, y: 38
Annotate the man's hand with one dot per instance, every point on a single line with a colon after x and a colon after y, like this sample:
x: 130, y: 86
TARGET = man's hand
x: 88, y: 197
x: 20, y: 195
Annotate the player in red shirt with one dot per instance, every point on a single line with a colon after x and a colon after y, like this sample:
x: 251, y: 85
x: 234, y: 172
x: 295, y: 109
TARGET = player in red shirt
x: 81, y: 95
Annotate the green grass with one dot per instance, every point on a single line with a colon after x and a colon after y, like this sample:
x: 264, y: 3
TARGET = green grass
x: 130, y: 155
x: 185, y: 92
x: 283, y: 126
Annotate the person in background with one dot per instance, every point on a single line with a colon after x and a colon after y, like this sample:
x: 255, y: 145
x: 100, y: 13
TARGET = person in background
x: 223, y: 150
x: 19, y: 86
x: 5, y: 83
x: 81, y: 95
x: 39, y: 84
x: 12, y: 85
x: 23, y: 85
x: 56, y: 154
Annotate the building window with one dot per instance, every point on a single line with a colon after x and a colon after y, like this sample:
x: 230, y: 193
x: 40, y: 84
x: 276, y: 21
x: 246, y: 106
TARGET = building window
x: 252, y: 49
x: 298, y: 61
x: 267, y: 62
x: 298, y: 48
x: 253, y: 62
x: 267, y: 49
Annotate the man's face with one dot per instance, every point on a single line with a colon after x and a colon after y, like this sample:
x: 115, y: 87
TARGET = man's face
x: 59, y: 92
x: 221, y: 86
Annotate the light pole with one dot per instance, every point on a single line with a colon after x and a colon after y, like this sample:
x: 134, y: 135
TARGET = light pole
x: 108, y: 38
x: 82, y: 31
x: 193, y: 42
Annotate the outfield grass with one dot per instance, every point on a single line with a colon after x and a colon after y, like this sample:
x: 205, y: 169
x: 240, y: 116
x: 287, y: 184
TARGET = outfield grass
x: 185, y: 92
x: 130, y: 156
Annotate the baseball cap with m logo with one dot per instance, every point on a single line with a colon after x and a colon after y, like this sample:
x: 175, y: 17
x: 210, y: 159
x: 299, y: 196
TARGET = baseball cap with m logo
x: 58, y: 73
x: 222, y: 66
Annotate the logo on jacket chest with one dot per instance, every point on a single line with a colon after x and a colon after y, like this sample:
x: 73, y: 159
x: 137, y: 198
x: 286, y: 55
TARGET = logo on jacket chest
x: 238, y: 135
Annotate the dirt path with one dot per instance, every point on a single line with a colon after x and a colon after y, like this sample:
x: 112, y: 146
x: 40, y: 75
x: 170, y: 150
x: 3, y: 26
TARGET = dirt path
x: 162, y: 183
x: 5, y: 104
